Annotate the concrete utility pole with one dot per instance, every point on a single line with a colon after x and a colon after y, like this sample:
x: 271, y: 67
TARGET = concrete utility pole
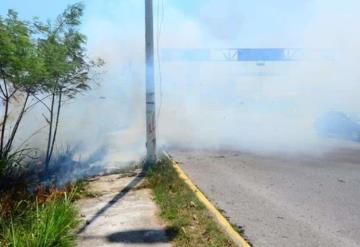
x: 150, y: 87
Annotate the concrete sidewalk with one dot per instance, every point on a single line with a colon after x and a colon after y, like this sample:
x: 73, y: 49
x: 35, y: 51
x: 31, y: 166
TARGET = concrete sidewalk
x: 123, y: 214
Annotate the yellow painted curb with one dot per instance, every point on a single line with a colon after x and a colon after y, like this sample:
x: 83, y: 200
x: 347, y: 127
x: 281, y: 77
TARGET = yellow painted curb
x: 221, y: 220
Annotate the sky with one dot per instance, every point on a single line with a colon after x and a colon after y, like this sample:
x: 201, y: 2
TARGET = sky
x: 260, y: 23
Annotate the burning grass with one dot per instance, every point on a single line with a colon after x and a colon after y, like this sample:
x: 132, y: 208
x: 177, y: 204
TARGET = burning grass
x: 34, y: 213
x: 36, y: 204
x: 182, y: 211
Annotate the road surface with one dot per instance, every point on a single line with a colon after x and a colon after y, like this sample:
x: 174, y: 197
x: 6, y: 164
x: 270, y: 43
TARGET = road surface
x: 283, y: 200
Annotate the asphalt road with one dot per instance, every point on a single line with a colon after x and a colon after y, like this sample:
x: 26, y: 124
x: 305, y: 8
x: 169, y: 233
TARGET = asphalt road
x: 283, y: 200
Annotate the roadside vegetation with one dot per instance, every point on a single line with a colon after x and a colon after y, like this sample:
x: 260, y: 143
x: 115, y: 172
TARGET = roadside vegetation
x: 43, y: 65
x: 189, y: 221
x: 46, y: 218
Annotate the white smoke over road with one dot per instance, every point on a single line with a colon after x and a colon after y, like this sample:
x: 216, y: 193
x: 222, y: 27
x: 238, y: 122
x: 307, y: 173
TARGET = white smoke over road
x: 229, y: 104
x: 243, y: 105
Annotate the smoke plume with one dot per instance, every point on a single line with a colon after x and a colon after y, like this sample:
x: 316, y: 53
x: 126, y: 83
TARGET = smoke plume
x: 267, y: 106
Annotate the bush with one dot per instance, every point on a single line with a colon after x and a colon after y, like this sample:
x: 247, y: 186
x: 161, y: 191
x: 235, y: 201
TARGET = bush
x: 36, y: 224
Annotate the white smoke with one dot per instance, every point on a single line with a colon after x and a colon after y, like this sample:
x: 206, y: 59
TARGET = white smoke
x: 243, y: 105
x: 222, y: 104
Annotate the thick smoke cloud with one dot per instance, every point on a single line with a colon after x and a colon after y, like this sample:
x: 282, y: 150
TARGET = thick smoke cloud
x: 269, y: 106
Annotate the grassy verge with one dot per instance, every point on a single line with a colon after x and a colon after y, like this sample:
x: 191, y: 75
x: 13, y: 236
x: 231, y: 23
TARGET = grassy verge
x: 46, y: 219
x: 188, y: 219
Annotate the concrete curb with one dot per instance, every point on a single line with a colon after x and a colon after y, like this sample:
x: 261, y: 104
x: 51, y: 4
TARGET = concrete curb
x: 220, y: 219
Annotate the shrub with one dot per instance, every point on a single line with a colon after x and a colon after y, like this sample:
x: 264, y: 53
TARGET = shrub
x: 36, y: 224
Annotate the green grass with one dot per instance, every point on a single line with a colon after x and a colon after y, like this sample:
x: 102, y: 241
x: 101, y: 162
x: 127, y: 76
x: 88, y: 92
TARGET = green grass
x: 31, y: 224
x: 188, y: 219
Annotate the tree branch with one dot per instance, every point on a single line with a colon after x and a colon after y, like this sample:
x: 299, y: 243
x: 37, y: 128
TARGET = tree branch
x: 42, y: 101
x: 47, y: 160
x: 56, y: 124
x: 39, y: 101
x: 16, y: 127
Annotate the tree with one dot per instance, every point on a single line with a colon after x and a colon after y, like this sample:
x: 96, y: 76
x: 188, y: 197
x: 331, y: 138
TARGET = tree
x: 68, y: 70
x: 45, y: 62
x: 21, y: 74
